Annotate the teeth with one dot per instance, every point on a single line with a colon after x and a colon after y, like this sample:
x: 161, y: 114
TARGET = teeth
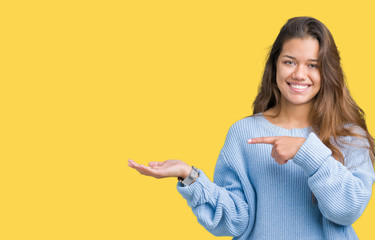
x: 299, y: 86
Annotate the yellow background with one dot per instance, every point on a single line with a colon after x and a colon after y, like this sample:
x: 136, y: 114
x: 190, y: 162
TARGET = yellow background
x: 86, y: 85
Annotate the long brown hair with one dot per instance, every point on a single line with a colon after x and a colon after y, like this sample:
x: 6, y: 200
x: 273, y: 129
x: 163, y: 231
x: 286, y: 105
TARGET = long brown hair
x: 333, y: 109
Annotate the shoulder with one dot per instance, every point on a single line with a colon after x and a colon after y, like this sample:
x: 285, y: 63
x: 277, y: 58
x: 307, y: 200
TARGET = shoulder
x: 357, y: 137
x: 244, y: 127
x: 242, y: 130
x: 355, y: 129
x: 246, y: 123
x: 356, y: 148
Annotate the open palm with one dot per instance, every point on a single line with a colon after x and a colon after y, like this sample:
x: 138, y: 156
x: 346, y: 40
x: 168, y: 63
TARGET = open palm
x: 168, y: 168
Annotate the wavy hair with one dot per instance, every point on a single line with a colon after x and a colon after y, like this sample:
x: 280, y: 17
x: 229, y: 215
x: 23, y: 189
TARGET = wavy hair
x: 334, y: 112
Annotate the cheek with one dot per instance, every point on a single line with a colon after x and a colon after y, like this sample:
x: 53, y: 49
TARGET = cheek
x: 318, y: 86
x: 317, y: 80
x: 281, y: 77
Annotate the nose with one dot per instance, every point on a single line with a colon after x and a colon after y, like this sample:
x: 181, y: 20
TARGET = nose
x: 299, y: 73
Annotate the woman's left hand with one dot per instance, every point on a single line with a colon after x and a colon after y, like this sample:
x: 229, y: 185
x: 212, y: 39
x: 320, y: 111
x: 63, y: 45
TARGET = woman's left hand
x: 284, y: 147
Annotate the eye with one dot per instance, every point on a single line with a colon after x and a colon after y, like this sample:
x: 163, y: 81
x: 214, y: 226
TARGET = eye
x: 289, y: 63
x: 313, y: 65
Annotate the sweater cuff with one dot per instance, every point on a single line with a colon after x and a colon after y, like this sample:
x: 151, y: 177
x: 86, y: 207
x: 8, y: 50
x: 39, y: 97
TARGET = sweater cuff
x: 198, y: 192
x: 312, y: 154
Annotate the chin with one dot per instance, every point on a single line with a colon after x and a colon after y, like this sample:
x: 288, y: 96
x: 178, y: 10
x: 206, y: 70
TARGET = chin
x: 298, y: 101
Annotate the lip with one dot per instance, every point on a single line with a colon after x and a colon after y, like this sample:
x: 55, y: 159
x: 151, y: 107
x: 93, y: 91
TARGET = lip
x: 299, y: 84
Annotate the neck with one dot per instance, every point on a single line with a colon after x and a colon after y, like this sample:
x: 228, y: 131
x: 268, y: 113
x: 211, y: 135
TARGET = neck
x: 297, y: 116
x: 291, y: 116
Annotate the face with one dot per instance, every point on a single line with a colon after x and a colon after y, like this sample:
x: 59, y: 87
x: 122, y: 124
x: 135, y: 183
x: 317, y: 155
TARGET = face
x: 297, y: 74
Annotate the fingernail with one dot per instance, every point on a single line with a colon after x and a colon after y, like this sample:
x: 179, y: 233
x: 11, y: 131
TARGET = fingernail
x: 249, y: 140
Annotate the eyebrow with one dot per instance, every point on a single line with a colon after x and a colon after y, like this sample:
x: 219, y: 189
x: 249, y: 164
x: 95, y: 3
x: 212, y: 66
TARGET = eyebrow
x: 312, y: 60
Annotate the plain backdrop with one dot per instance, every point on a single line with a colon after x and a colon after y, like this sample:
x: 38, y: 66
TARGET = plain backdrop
x: 86, y: 85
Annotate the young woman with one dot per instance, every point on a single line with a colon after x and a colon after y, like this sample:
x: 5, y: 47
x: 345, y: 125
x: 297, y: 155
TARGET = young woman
x: 301, y: 166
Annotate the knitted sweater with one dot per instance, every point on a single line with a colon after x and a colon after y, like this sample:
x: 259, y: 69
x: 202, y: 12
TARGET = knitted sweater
x: 253, y: 197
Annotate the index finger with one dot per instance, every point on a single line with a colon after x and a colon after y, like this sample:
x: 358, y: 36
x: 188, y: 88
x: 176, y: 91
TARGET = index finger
x: 267, y: 140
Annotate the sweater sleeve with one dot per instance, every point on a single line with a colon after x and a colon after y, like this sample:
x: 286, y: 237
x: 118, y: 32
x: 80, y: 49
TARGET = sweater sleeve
x: 225, y: 207
x: 220, y: 206
x: 342, y: 193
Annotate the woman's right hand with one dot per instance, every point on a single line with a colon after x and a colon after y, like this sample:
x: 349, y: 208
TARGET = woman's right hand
x: 168, y: 168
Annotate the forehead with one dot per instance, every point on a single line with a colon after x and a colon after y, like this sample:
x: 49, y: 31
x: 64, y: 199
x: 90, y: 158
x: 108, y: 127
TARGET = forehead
x: 301, y: 48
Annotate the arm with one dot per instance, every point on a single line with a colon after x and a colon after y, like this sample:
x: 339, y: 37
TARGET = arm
x: 342, y: 193
x: 220, y: 206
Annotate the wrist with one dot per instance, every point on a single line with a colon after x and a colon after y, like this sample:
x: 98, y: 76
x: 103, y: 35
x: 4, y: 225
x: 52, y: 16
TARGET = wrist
x: 185, y: 171
x: 192, y: 176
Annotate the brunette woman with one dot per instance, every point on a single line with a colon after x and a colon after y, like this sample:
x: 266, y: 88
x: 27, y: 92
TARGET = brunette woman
x: 301, y: 166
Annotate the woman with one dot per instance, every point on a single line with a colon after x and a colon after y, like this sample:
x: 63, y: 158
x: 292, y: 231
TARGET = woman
x: 301, y: 166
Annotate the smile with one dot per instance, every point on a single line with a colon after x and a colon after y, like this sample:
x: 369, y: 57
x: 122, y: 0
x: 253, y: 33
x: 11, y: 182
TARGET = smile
x: 298, y: 87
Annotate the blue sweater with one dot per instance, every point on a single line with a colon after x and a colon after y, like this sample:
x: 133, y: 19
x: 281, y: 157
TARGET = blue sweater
x: 253, y: 197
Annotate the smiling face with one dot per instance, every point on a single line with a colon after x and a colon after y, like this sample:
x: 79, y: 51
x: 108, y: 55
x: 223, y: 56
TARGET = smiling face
x: 297, y: 74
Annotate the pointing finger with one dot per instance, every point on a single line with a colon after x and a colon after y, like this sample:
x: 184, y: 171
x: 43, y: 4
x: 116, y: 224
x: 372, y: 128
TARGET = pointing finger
x: 267, y: 140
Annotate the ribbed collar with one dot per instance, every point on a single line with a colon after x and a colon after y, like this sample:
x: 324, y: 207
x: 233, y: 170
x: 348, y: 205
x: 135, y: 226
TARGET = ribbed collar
x: 281, y: 130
